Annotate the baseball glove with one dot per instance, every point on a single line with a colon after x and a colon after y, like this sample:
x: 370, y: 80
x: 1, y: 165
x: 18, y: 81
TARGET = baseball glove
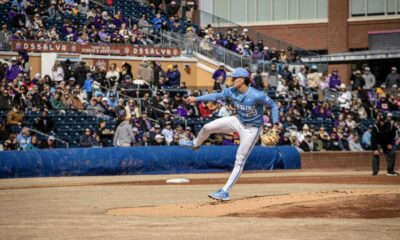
x: 271, y: 138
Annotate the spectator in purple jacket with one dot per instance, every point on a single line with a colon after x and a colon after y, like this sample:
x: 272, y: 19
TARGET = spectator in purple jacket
x: 13, y: 70
x: 334, y: 80
x: 228, y: 140
x: 174, y: 76
x: 322, y: 111
x: 181, y: 111
x: 13, y: 16
x: 257, y: 55
x: 17, y: 36
x: 103, y: 34
x: 119, y: 19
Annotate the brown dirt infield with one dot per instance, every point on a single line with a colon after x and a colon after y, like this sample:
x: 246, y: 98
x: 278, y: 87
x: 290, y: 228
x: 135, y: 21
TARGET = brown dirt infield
x: 330, y: 204
x: 301, y: 204
x: 249, y: 179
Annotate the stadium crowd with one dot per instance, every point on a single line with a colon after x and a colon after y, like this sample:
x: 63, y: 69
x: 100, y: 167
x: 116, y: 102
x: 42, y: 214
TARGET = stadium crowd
x: 318, y: 111
x: 85, y: 24
x: 341, y: 112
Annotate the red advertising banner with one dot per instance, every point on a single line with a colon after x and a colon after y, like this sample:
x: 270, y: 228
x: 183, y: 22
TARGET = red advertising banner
x: 96, y: 49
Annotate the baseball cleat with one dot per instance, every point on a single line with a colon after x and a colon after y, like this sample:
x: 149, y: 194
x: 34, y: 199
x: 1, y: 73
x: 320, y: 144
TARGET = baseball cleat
x: 392, y: 174
x: 188, y: 144
x: 220, y: 195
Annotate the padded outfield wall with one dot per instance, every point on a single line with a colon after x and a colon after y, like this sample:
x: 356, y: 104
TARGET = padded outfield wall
x: 140, y: 160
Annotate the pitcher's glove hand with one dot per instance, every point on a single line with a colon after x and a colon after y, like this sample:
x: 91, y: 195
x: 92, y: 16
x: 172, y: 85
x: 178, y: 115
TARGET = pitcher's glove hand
x: 271, y: 138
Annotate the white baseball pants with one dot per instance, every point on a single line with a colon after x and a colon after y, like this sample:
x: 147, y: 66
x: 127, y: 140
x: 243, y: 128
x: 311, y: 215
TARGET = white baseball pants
x: 248, y: 138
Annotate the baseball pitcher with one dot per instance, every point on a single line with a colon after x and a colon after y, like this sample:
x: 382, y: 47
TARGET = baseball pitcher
x: 248, y: 123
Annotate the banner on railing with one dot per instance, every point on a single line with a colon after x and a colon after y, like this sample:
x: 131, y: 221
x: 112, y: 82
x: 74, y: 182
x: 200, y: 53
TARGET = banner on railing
x: 96, y: 49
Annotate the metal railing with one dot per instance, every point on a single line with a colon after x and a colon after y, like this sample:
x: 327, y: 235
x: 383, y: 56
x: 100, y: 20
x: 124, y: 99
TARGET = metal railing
x: 102, y: 4
x: 138, y: 99
x: 220, y: 24
x: 47, y: 135
x: 193, y: 44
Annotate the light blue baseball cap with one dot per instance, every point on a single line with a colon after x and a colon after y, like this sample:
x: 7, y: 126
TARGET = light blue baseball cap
x: 240, y: 73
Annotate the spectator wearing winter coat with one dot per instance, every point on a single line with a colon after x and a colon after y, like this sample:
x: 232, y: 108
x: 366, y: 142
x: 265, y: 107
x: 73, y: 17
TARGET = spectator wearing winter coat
x: 119, y: 19
x: 57, y: 72
x: 369, y: 78
x: 228, y: 140
x: 259, y: 80
x: 24, y: 138
x: 56, y: 102
x: 273, y: 79
x: 146, y: 73
x: 80, y: 74
x: 345, y: 97
x: 50, y: 143
x: 317, y: 143
x: 172, y: 9
x: 124, y: 136
x: 343, y: 142
x: 366, y: 139
x: 314, y: 78
x: 334, y: 80
x: 157, y: 23
x: 6, y: 101
x: 307, y: 144
x: 5, y: 37
x: 354, y: 144
x: 44, y: 123
x: 322, y: 111
x: 286, y: 74
x: 88, y: 85
x: 86, y: 140
x: 174, y: 76
x: 168, y: 133
x: 357, y: 80
x: 15, y: 116
x: 13, y: 70
x: 203, y: 110
x: 393, y: 78
x: 112, y: 75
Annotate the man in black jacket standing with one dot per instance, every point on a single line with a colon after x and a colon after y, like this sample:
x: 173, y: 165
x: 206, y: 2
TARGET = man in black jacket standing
x: 383, y: 137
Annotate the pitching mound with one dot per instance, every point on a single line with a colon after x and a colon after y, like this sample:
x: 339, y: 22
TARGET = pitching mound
x: 332, y: 204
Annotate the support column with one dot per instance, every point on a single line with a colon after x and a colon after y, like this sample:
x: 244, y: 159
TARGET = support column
x: 338, y: 13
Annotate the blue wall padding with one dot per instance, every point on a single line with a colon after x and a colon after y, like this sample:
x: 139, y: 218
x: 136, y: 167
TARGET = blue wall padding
x: 140, y: 160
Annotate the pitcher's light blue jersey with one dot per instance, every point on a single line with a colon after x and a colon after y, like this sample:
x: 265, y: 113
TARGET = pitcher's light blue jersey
x: 249, y: 105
